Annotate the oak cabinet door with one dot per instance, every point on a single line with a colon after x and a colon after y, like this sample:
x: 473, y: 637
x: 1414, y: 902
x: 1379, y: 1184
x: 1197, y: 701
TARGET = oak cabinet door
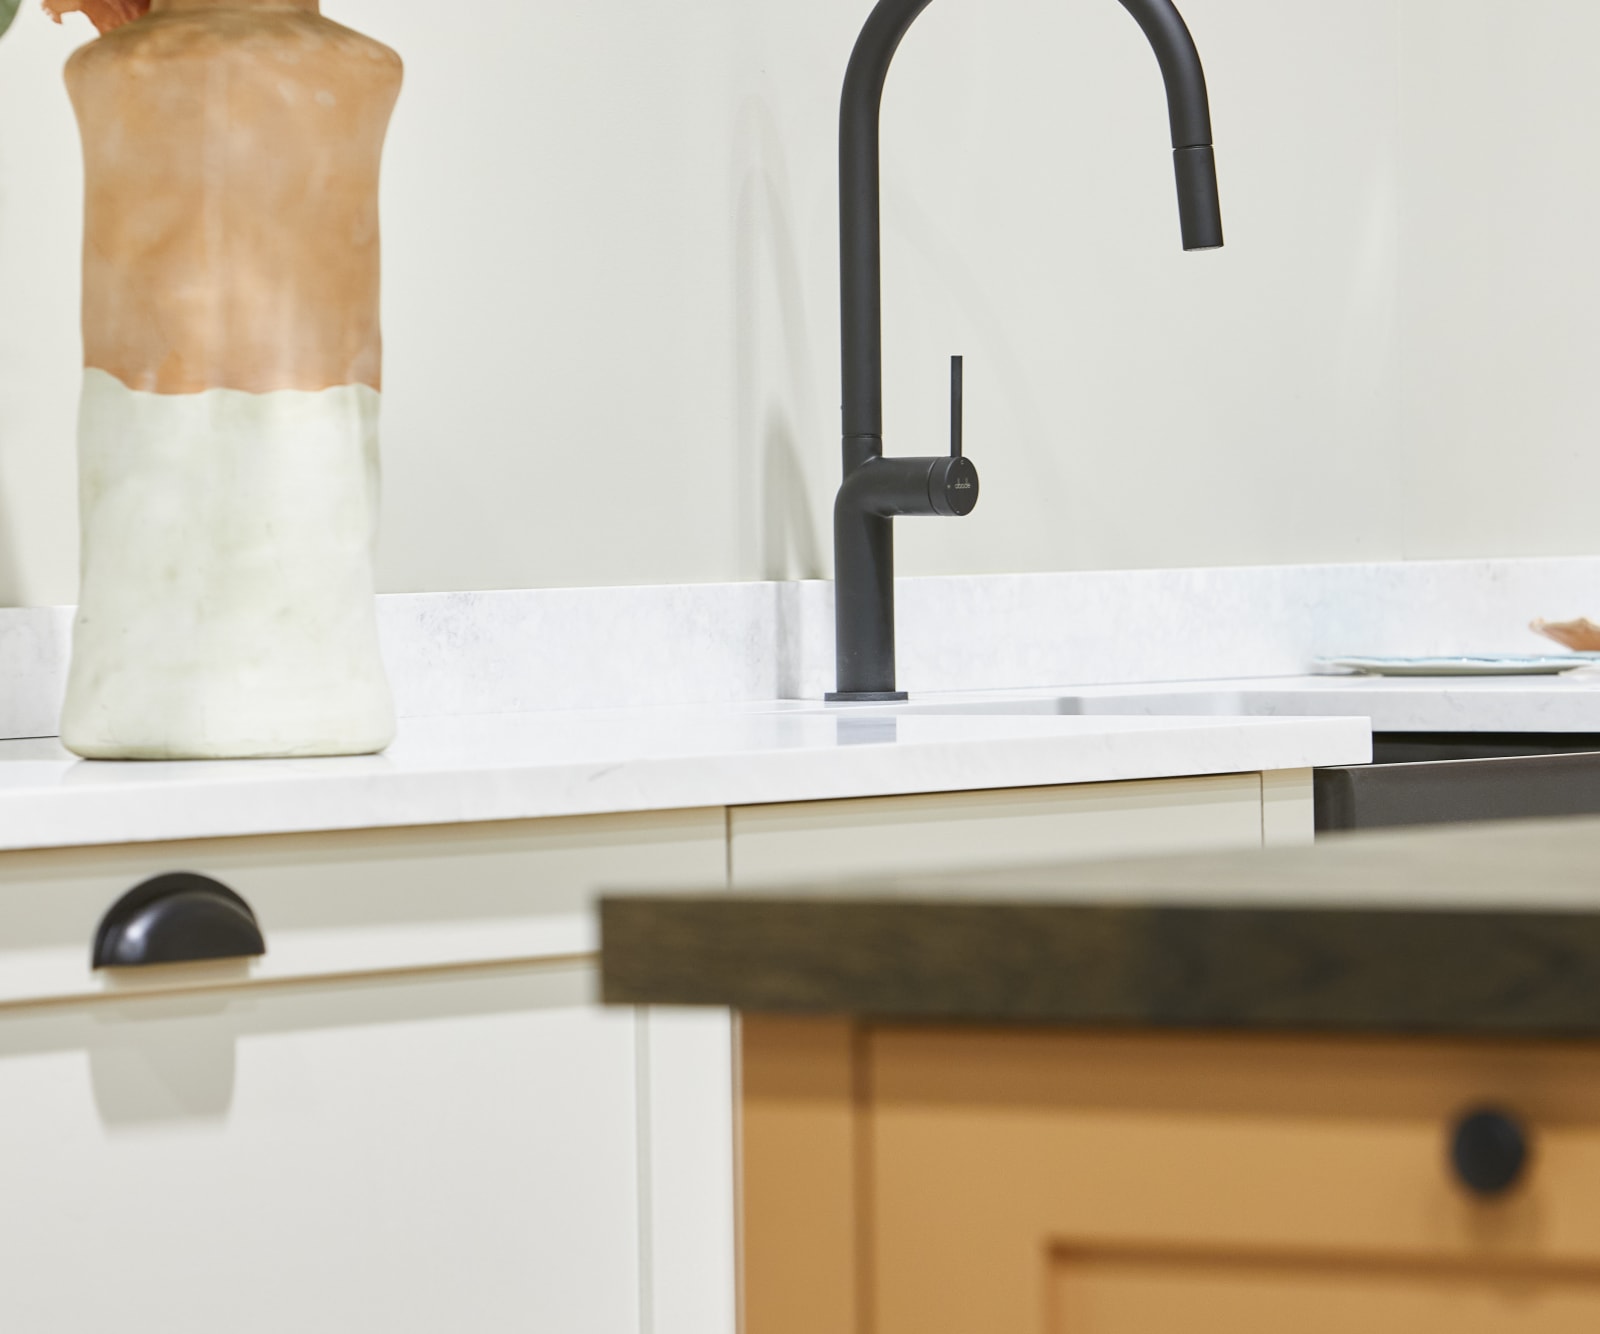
x: 1052, y: 1182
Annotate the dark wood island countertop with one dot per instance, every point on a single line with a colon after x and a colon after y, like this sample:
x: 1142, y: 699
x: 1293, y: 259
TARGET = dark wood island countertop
x: 1490, y: 930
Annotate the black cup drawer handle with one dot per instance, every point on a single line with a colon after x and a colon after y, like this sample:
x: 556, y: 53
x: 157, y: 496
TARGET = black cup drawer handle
x: 1489, y: 1150
x: 177, y: 918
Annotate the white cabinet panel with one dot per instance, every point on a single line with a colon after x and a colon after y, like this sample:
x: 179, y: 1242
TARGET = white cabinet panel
x: 955, y: 831
x: 359, y: 901
x: 1288, y: 808
x: 686, y: 1112
x: 425, y: 1152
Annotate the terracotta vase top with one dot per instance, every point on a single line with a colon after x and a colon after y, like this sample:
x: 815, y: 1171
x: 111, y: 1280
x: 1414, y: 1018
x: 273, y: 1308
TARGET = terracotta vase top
x: 231, y: 162
x: 109, y: 14
x: 170, y: 6
x: 104, y: 14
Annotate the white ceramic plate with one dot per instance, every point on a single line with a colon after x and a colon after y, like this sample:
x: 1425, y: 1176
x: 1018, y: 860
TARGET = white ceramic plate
x: 1508, y: 665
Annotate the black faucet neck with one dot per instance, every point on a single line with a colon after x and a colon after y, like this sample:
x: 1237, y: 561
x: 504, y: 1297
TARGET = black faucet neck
x: 869, y: 498
x: 859, y: 449
x: 860, y: 281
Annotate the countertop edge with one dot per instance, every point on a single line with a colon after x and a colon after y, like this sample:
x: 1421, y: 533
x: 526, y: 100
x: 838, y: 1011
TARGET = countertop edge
x: 1358, y: 969
x: 257, y: 799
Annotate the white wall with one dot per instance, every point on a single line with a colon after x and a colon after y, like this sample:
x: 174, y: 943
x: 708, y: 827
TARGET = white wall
x: 40, y: 197
x: 1501, y: 268
x: 611, y: 288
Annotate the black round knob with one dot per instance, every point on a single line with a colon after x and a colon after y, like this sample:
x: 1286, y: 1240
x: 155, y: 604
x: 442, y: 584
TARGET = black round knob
x: 1489, y: 1151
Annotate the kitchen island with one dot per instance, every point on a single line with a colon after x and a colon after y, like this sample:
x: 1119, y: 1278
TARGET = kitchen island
x: 1355, y: 1086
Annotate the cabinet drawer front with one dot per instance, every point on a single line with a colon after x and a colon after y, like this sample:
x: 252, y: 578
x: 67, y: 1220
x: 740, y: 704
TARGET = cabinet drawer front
x: 412, y: 1154
x: 1016, y: 827
x: 355, y: 902
x: 1111, y: 1179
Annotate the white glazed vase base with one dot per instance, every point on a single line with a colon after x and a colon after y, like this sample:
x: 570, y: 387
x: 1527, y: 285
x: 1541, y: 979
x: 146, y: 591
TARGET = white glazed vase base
x: 226, y: 608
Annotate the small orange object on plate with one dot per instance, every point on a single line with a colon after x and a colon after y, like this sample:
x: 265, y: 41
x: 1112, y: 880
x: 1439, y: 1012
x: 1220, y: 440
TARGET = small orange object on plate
x: 1581, y: 635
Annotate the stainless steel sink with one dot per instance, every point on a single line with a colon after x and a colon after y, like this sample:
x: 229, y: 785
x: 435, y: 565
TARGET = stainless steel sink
x: 1173, y: 704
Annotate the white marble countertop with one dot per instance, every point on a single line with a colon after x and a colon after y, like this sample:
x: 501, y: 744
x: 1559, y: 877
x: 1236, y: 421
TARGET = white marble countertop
x: 529, y: 765
x: 520, y: 766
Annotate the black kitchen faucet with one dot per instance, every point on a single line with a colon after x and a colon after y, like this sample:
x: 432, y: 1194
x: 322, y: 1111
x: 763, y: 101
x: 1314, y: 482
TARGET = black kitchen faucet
x: 875, y: 488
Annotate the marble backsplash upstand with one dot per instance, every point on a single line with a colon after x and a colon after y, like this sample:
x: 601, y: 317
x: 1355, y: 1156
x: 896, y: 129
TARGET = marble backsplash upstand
x: 522, y: 651
x: 34, y: 647
x: 1211, y: 624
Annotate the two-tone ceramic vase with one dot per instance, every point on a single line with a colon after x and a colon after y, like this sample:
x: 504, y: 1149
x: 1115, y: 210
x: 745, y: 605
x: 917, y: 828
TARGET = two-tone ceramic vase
x: 228, y: 437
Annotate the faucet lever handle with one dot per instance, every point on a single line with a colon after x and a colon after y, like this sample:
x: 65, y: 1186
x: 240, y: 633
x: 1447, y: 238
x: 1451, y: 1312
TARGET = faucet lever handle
x: 955, y: 406
x: 952, y: 482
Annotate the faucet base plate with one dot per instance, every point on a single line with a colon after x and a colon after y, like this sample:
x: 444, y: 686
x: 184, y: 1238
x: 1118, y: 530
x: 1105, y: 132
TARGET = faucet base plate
x: 865, y: 696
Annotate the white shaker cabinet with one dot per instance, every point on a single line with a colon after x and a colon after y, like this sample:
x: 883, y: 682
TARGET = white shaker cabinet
x: 452, y: 1151
x: 411, y: 1115
x: 961, y: 831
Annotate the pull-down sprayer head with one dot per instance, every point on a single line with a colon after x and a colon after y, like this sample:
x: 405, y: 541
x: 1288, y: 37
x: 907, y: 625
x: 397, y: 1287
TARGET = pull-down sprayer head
x: 1199, y: 208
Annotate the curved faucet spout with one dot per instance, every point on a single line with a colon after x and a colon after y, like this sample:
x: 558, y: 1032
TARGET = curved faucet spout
x: 873, y: 493
x: 1199, y: 208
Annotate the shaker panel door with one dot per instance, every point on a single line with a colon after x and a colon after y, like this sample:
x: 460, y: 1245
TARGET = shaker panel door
x: 454, y: 1150
x: 1050, y: 1181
